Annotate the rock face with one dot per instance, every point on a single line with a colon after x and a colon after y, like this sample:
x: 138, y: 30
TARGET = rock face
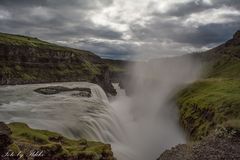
x: 29, y: 60
x: 5, y: 139
x: 84, y: 92
x: 235, y: 40
x: 104, y: 81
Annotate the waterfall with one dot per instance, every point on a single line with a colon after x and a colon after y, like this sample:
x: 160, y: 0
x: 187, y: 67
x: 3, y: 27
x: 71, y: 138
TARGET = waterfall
x: 91, y: 118
x: 97, y: 92
x: 138, y: 127
x: 149, y: 115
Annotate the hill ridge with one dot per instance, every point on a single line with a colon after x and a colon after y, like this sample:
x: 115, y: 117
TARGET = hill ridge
x: 26, y: 59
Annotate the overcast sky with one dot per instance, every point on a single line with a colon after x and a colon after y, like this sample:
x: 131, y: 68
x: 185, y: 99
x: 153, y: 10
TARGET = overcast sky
x: 123, y: 29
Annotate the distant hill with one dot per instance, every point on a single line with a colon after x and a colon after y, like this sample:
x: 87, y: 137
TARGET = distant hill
x: 30, y: 60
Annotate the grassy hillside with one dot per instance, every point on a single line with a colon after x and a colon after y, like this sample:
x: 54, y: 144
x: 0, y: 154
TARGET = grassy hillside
x: 20, y: 40
x: 30, y: 60
x: 118, y: 66
x: 26, y: 58
x: 213, y: 101
x: 55, y: 146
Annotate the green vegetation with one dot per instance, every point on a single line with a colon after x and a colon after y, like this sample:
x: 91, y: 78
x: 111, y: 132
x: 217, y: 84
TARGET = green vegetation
x: 54, y: 145
x: 17, y: 73
x: 91, y: 68
x: 213, y: 101
x: 30, y: 60
x: 226, y: 67
x: 208, y: 103
x: 25, y: 60
x: 20, y: 40
x: 117, y: 66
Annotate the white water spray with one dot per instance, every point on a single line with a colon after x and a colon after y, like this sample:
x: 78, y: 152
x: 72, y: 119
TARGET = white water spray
x: 139, y: 127
x: 150, y: 115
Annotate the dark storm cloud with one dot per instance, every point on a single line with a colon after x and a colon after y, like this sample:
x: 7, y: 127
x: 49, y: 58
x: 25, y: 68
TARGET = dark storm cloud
x: 232, y: 3
x: 185, y: 9
x: 83, y: 4
x: 123, y: 29
x: 204, y: 35
x: 208, y: 34
x: 55, y: 22
x: 200, y: 36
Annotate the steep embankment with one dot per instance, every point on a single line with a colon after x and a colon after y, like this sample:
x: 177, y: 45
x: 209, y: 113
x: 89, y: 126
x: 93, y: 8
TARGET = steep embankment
x: 215, y: 99
x: 19, y: 141
x: 30, y: 60
x: 210, y: 107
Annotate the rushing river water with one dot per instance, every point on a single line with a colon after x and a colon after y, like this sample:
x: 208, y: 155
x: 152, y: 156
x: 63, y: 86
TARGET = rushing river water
x: 95, y: 118
x: 74, y: 117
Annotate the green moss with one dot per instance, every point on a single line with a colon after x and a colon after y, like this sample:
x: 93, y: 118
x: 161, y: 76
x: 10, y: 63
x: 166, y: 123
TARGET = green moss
x: 208, y: 103
x: 53, y: 143
x: 21, y: 132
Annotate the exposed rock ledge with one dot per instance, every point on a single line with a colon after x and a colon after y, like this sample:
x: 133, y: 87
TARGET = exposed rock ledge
x: 82, y: 92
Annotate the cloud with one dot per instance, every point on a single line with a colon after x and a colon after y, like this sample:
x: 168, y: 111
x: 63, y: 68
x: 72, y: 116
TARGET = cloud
x: 221, y: 15
x: 4, y: 14
x: 123, y: 29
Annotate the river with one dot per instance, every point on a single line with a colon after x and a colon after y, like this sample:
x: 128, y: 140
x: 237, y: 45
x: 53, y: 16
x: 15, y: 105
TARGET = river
x: 93, y: 118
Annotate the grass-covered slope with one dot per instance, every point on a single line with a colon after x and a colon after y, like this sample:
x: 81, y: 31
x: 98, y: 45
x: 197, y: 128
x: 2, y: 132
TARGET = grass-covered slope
x: 30, y: 60
x: 20, y: 40
x: 26, y: 59
x: 55, y: 146
x: 215, y: 99
x: 208, y: 103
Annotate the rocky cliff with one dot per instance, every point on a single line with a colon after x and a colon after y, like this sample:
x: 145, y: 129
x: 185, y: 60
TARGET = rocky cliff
x: 30, y: 60
x: 212, y: 103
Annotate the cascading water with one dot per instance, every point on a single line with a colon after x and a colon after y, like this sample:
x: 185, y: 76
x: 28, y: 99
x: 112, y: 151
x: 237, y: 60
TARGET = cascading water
x: 139, y: 127
x: 74, y: 117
